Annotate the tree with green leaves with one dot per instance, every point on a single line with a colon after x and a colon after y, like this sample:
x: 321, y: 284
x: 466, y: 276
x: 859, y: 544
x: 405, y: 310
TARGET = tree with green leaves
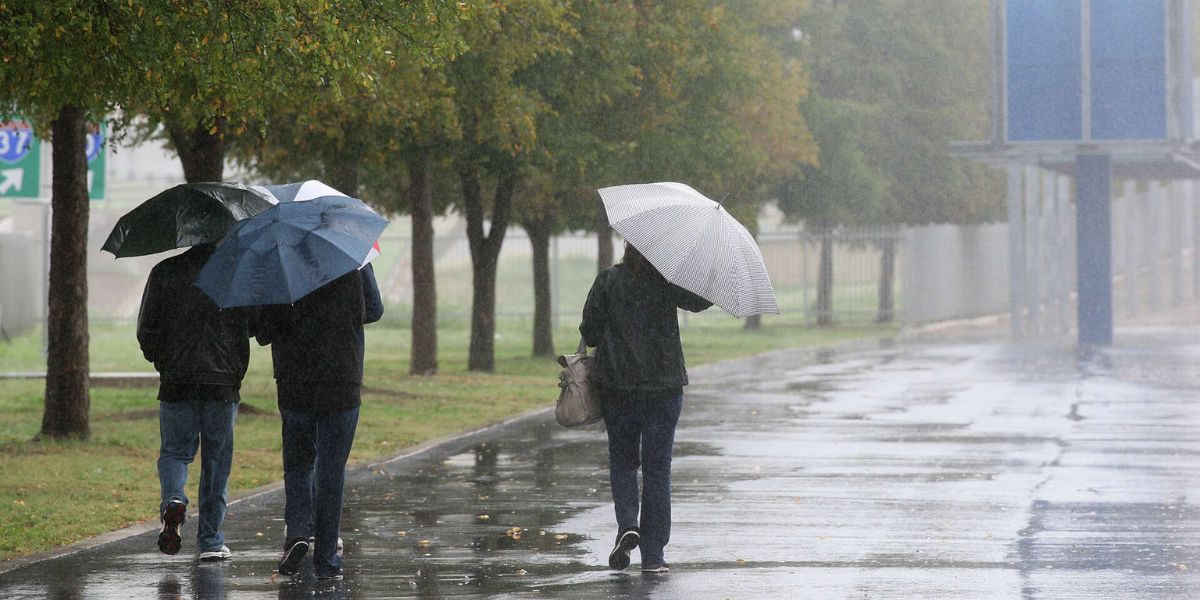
x: 378, y: 96
x: 66, y: 64
x: 716, y: 107
x: 581, y: 86
x: 355, y: 143
x: 894, y: 82
x: 224, y: 67
x: 498, y: 112
x: 718, y: 103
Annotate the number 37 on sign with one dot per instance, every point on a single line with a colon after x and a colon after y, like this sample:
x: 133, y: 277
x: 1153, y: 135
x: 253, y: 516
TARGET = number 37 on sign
x: 20, y: 160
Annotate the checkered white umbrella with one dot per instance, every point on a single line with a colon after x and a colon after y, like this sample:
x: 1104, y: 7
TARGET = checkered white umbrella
x: 694, y: 243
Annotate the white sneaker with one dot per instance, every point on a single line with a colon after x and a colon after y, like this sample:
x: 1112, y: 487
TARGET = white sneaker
x: 312, y: 541
x: 221, y: 553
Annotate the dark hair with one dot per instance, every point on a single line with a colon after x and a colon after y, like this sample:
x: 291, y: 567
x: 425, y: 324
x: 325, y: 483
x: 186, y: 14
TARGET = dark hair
x: 638, y: 263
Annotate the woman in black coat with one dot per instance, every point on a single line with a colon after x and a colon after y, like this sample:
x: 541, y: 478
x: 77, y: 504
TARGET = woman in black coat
x: 630, y: 317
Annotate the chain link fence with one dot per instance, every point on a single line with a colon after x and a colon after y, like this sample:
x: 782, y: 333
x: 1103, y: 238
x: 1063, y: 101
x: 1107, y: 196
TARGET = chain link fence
x: 909, y: 275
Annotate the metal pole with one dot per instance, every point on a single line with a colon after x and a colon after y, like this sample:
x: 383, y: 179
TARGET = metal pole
x: 1130, y: 202
x: 1066, y: 254
x: 1175, y: 240
x: 555, y: 280
x: 1151, y: 231
x: 1191, y: 197
x: 1033, y: 262
x: 803, y: 276
x: 1016, y: 251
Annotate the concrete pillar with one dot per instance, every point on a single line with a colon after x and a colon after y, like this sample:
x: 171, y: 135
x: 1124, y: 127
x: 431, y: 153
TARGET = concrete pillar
x: 1094, y: 248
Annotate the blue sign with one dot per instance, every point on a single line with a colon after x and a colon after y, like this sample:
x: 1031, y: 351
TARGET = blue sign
x: 1044, y: 57
x: 94, y: 143
x: 1124, y: 58
x: 1129, y: 75
x: 16, y: 139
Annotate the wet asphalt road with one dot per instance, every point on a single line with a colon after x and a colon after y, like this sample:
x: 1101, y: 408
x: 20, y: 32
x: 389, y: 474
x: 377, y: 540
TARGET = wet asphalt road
x: 951, y: 470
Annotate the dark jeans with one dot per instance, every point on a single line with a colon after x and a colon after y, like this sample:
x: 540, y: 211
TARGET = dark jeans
x: 315, y: 448
x: 183, y: 427
x: 641, y: 431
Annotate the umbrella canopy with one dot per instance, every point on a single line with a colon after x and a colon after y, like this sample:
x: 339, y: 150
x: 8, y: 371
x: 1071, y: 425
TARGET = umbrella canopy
x: 301, y: 191
x: 694, y: 243
x: 298, y: 191
x: 185, y: 215
x: 281, y: 254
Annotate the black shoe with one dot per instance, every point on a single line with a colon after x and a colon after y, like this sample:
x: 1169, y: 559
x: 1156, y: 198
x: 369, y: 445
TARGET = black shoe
x: 627, y: 540
x: 173, y: 517
x: 293, y: 552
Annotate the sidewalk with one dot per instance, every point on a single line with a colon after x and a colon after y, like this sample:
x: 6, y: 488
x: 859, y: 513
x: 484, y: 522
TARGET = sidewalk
x: 973, y: 470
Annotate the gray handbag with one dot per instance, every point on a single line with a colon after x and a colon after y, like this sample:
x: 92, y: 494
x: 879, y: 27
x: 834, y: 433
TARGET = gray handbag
x: 578, y: 401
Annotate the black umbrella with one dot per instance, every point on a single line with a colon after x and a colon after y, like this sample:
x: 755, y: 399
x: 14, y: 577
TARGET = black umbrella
x: 185, y: 215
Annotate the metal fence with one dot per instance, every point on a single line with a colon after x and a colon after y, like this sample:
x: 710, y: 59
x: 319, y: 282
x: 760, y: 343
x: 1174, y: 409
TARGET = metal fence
x: 939, y: 272
x: 792, y: 257
x: 1155, y: 236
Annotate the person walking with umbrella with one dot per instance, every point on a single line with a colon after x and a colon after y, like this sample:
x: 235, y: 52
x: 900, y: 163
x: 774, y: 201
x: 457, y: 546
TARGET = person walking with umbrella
x: 682, y: 251
x: 201, y: 353
x: 630, y: 317
x: 317, y: 345
x: 305, y: 263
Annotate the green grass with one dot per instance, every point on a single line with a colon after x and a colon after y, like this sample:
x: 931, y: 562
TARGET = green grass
x: 56, y: 493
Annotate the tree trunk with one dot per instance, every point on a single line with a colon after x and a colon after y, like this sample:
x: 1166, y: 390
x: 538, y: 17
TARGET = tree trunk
x: 201, y: 151
x: 424, y: 359
x: 539, y: 238
x: 485, y: 249
x: 825, y: 279
x: 343, y: 169
x: 67, y: 398
x: 604, y: 248
x: 887, y: 278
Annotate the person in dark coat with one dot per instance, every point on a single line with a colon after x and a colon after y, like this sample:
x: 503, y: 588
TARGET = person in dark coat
x: 201, y: 353
x: 630, y: 317
x: 317, y: 346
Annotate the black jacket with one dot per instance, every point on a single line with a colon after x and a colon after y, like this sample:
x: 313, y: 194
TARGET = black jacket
x: 184, y: 333
x: 632, y: 322
x: 319, y: 339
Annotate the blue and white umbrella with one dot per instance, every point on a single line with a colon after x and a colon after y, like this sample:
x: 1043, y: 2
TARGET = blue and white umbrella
x: 289, y: 250
x: 301, y: 191
x: 694, y: 242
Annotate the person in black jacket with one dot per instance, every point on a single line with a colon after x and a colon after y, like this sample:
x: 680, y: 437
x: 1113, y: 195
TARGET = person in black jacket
x: 317, y: 346
x: 201, y: 353
x: 630, y: 317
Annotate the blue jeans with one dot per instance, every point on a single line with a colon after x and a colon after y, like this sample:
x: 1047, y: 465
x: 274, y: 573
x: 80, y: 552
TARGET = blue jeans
x: 315, y: 449
x: 183, y: 427
x: 641, y: 432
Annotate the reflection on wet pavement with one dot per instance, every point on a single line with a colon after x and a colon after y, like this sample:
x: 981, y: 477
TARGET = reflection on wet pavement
x: 978, y: 470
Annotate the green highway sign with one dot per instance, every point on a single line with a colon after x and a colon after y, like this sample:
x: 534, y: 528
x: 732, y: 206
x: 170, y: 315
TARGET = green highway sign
x: 20, y: 160
x: 97, y: 160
